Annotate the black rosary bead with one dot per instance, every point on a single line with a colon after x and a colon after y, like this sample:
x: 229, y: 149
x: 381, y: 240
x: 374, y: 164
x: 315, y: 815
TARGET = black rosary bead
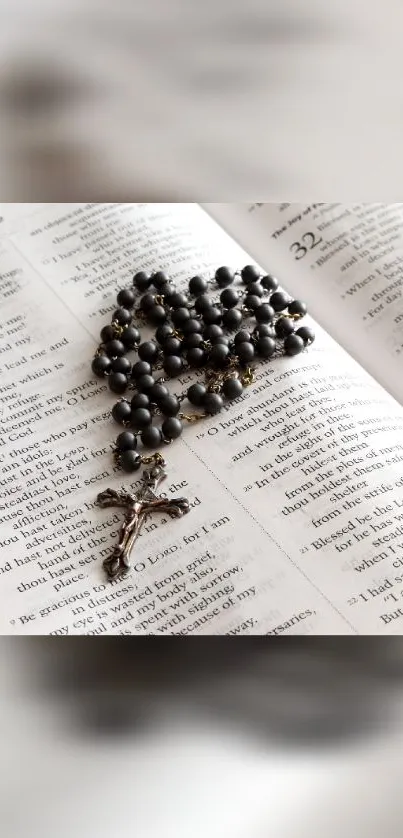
x: 252, y: 302
x: 255, y: 289
x: 122, y: 316
x: 163, y: 332
x: 192, y: 327
x: 203, y: 303
x: 121, y: 412
x: 297, y: 307
x: 196, y: 394
x: 141, y: 418
x: 212, y: 332
x: 130, y: 461
x: 229, y: 297
x: 293, y: 344
x: 107, y: 334
x: 126, y: 298
x: 158, y: 392
x: 179, y: 317
x: 270, y: 283
x: 169, y: 291
x: 265, y: 313
x: 218, y: 355
x: 101, y: 365
x: 117, y: 382
x: 126, y: 441
x: 172, y: 346
x: 221, y: 339
x: 212, y: 403
x: 178, y: 300
x: 121, y: 365
x: 265, y: 330
x: 147, y: 301
x: 141, y: 368
x: 191, y: 341
x: 156, y: 315
x: 279, y: 301
x: 224, y: 276
x: 306, y: 333
x: 265, y: 347
x: 196, y: 357
x: 115, y: 348
x: 197, y: 285
x: 284, y: 327
x: 232, y: 388
x: 140, y: 400
x: 159, y: 280
x: 151, y: 437
x: 144, y: 383
x: 250, y: 273
x: 241, y: 337
x: 148, y: 351
x: 169, y: 405
x: 130, y: 337
x: 141, y: 281
x: 212, y: 315
x: 245, y: 352
x: 173, y: 365
x: 172, y: 428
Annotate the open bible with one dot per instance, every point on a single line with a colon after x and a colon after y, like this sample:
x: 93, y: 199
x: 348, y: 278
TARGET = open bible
x: 296, y: 491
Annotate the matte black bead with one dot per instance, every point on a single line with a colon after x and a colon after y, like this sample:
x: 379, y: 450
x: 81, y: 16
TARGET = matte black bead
x: 252, y: 302
x: 141, y: 418
x: 265, y: 330
x: 179, y: 317
x: 284, y: 327
x: 156, y: 315
x: 141, y: 368
x: 148, y: 351
x: 196, y: 357
x: 178, y: 300
x: 172, y: 428
x: 196, y: 394
x: 270, y: 283
x: 297, y: 307
x: 255, y: 289
x: 121, y: 412
x: 157, y: 392
x: 122, y: 316
x: 140, y: 400
x: 173, y: 365
x: 212, y: 315
x: 265, y: 347
x: 172, y: 346
x: 107, y: 334
x: 232, y: 388
x: 306, y: 333
x: 229, y: 297
x: 121, y: 365
x: 126, y: 298
x: 126, y: 441
x: 101, y: 365
x: 218, y: 355
x: 130, y: 337
x: 241, y: 337
x: 190, y: 341
x: 117, y: 382
x: 250, y: 273
x: 147, y: 301
x: 163, y: 332
x: 212, y: 403
x: 144, y: 383
x: 192, y: 327
x: 169, y: 290
x: 221, y: 339
x: 279, y: 300
x: 212, y: 332
x: 264, y: 314
x: 130, y: 461
x: 203, y: 303
x: 159, y: 280
x: 151, y: 437
x: 115, y: 348
x: 245, y: 352
x: 169, y: 405
x: 224, y: 276
x: 293, y: 344
x: 197, y: 285
x: 141, y: 281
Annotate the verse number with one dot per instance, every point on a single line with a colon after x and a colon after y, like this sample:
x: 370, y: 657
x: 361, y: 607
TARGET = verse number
x: 308, y: 242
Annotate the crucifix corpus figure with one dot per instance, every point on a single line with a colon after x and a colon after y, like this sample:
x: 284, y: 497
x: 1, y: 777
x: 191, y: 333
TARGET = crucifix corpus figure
x: 138, y: 508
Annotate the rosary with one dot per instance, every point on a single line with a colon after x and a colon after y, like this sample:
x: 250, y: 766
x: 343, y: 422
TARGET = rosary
x: 223, y: 327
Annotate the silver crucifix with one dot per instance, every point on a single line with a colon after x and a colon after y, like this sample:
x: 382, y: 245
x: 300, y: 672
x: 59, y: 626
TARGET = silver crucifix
x: 138, y: 508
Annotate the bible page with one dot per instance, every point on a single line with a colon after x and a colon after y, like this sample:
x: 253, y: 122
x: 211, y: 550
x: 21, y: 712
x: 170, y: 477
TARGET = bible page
x: 296, y: 489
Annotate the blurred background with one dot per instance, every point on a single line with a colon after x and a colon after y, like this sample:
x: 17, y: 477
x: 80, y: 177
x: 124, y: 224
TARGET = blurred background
x: 271, y: 99
x: 209, y: 738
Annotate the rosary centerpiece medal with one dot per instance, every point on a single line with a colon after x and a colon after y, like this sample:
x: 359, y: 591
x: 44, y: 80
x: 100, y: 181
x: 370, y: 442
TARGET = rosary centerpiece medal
x: 220, y: 329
